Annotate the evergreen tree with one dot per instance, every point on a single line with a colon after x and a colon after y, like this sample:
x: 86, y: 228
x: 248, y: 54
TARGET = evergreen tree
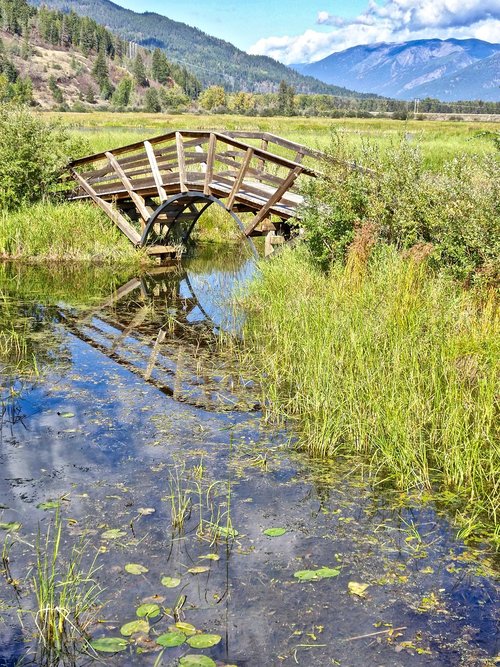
x: 121, y: 96
x: 160, y: 67
x: 152, y: 101
x: 139, y: 71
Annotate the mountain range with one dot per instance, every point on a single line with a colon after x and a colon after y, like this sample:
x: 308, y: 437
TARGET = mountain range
x: 448, y: 70
x: 212, y: 60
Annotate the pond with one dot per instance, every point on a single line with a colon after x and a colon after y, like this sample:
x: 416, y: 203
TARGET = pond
x: 199, y: 535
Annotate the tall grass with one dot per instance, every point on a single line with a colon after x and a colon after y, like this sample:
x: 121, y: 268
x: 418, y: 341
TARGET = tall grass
x: 67, y: 597
x: 63, y: 231
x: 383, y: 360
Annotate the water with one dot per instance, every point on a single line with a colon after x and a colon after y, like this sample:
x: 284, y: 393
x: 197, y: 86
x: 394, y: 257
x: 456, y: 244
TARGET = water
x: 119, y: 424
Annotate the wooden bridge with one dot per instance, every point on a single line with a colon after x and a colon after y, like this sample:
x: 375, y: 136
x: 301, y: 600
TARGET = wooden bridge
x: 155, y: 191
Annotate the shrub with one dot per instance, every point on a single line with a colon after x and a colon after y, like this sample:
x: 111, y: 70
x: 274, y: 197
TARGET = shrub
x: 32, y: 156
x: 456, y: 210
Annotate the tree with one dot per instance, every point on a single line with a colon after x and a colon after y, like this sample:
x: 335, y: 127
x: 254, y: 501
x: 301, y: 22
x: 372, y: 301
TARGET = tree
x: 139, y: 71
x: 160, y: 67
x: 152, y: 101
x: 286, y: 99
x: 100, y: 70
x: 213, y: 97
x: 121, y: 96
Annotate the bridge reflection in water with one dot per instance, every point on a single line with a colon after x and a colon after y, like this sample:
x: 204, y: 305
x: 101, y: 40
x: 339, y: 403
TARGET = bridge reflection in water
x: 164, y: 326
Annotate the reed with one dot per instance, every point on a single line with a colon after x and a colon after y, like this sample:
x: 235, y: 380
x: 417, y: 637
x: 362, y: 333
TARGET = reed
x: 384, y: 360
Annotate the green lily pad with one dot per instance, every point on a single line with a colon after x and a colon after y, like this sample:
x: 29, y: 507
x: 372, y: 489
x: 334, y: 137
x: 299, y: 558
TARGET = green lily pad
x: 113, y: 534
x: 148, y: 610
x: 135, y: 568
x: 12, y: 525
x: 199, y: 569
x: 133, y: 627
x: 67, y: 415
x: 316, y: 575
x: 49, y: 505
x: 109, y: 644
x: 186, y: 628
x: 170, y: 582
x: 224, y: 531
x: 196, y: 661
x: 203, y: 641
x: 274, y: 532
x: 214, y: 557
x: 170, y: 639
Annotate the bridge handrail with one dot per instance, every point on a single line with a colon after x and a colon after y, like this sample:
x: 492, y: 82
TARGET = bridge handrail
x: 258, y: 152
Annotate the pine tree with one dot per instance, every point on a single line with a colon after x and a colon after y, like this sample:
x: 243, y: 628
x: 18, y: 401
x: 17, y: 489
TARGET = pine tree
x: 139, y: 71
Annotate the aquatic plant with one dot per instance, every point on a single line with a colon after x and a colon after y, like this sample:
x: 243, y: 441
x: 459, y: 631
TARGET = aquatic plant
x: 67, y: 597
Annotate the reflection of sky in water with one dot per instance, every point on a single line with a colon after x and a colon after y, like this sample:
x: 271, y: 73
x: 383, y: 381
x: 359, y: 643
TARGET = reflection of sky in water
x: 214, y: 291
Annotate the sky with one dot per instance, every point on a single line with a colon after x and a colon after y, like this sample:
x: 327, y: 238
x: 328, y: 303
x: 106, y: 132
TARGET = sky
x: 299, y: 31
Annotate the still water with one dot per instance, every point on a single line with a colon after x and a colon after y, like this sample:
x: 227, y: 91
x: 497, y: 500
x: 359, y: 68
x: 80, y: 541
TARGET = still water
x: 125, y: 419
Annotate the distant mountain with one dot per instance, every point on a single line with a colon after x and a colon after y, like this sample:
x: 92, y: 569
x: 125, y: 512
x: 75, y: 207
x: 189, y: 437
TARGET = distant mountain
x: 212, y: 60
x: 450, y: 69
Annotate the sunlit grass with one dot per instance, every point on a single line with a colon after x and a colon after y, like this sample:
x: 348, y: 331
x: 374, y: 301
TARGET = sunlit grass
x: 391, y: 364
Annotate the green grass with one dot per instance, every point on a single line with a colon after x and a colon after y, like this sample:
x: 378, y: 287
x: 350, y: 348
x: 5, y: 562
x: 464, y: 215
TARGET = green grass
x: 54, y: 231
x: 439, y: 140
x: 386, y: 362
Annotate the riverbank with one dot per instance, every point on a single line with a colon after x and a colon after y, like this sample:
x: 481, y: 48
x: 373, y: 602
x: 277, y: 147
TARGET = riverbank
x: 390, y: 364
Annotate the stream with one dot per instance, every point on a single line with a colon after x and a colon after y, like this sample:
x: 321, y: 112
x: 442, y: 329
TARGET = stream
x: 125, y: 421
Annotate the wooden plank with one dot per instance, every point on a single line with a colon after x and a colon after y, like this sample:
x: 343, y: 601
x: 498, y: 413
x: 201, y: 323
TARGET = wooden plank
x: 155, y: 171
x: 129, y: 187
x: 292, y: 176
x: 111, y: 212
x: 181, y: 162
x: 209, y: 173
x: 239, y: 179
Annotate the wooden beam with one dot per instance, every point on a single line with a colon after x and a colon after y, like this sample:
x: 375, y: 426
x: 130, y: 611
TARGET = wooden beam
x: 111, y: 212
x: 155, y: 171
x: 129, y: 187
x: 292, y: 176
x: 181, y: 162
x: 239, y: 178
x: 209, y: 173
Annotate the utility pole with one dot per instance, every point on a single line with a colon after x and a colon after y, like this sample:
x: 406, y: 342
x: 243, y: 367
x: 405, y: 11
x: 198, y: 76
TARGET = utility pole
x: 415, y: 106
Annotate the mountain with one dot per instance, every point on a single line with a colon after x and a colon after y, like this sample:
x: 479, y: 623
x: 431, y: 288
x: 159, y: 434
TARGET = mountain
x: 212, y: 60
x: 450, y: 69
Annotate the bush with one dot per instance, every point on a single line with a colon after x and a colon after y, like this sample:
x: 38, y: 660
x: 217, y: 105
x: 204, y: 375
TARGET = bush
x: 456, y: 210
x: 32, y: 156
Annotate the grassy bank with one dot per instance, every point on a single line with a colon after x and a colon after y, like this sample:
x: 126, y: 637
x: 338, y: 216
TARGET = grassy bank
x: 52, y: 231
x: 387, y: 363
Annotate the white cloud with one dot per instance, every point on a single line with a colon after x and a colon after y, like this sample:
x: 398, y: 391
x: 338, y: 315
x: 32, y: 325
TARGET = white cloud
x: 390, y: 21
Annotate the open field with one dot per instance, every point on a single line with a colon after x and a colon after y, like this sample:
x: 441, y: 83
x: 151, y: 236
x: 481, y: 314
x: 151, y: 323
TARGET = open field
x: 439, y: 140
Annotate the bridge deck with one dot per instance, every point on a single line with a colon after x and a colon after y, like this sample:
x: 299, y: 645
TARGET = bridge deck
x: 149, y: 188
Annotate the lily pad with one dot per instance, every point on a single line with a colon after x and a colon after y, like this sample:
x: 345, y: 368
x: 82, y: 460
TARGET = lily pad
x: 133, y: 627
x: 67, y: 415
x: 274, y: 532
x: 196, y: 661
x: 170, y: 639
x: 113, y: 534
x: 203, y: 640
x: 316, y: 575
x: 135, y: 568
x: 109, y: 644
x: 186, y: 628
x: 214, y: 557
x: 199, y: 569
x: 225, y: 531
x: 146, y: 511
x: 149, y: 610
x: 49, y: 505
x: 170, y: 582
x: 355, y: 588
x: 12, y: 525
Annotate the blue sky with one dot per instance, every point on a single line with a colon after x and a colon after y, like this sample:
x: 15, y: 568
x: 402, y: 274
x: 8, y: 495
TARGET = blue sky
x: 307, y: 30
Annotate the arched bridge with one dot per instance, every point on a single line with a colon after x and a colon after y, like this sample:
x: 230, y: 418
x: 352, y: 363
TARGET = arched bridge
x: 155, y: 191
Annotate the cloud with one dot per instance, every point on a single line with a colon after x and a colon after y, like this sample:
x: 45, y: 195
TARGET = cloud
x: 389, y: 21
